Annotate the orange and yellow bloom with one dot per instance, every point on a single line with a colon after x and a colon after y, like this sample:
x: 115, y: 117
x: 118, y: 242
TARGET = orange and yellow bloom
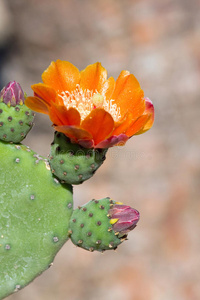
x: 90, y: 109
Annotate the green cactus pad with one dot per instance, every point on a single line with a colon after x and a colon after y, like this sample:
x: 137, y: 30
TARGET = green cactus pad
x: 15, y: 122
x: 35, y: 209
x: 72, y: 163
x: 90, y: 226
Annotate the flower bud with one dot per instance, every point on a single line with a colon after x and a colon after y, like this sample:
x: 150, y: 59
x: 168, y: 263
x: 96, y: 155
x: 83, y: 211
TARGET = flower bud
x: 123, y: 218
x: 12, y: 94
x: 101, y: 224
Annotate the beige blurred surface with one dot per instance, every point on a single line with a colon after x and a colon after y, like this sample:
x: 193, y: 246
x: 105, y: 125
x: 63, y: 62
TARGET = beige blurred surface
x: 157, y: 173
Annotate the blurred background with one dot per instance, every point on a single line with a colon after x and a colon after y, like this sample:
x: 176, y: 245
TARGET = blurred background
x: 157, y: 173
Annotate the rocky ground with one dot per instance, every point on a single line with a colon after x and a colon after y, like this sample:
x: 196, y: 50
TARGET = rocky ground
x: 158, y: 173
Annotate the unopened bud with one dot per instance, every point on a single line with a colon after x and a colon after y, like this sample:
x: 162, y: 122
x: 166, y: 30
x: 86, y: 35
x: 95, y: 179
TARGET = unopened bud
x: 123, y: 218
x: 12, y: 94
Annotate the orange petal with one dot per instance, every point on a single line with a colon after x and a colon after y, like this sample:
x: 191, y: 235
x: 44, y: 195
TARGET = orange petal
x: 93, y: 77
x: 99, y: 123
x: 74, y: 133
x: 137, y: 125
x: 108, y: 88
x: 60, y: 115
x: 121, y: 127
x: 45, y: 92
x: 37, y: 104
x: 128, y: 95
x: 149, y: 110
x: 148, y: 125
x: 61, y: 76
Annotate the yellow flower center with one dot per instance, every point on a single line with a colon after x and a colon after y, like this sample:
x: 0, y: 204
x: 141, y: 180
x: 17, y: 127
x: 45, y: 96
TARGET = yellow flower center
x: 87, y: 100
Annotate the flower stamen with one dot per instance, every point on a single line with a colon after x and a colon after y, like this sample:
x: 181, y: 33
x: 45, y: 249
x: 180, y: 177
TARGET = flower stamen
x: 87, y: 100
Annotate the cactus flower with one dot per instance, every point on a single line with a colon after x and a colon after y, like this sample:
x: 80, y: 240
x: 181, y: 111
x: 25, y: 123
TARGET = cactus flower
x: 123, y: 218
x: 90, y: 109
x: 12, y: 94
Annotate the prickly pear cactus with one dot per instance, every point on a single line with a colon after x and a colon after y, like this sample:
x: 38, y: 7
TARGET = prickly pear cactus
x: 35, y: 211
x: 36, y: 203
x: 73, y: 163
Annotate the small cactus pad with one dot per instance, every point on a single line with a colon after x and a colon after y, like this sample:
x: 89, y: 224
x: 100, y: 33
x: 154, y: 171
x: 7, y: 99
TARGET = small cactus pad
x: 90, y: 226
x: 73, y: 163
x: 35, y: 209
x: 15, y: 122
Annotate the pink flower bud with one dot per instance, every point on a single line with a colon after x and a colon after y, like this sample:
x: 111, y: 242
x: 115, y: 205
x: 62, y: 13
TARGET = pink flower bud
x: 12, y: 94
x: 123, y: 218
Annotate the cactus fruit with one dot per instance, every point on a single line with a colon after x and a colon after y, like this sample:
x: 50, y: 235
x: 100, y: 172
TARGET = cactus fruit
x: 101, y: 224
x: 73, y: 163
x: 35, y: 211
x: 16, y: 119
x: 15, y: 122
